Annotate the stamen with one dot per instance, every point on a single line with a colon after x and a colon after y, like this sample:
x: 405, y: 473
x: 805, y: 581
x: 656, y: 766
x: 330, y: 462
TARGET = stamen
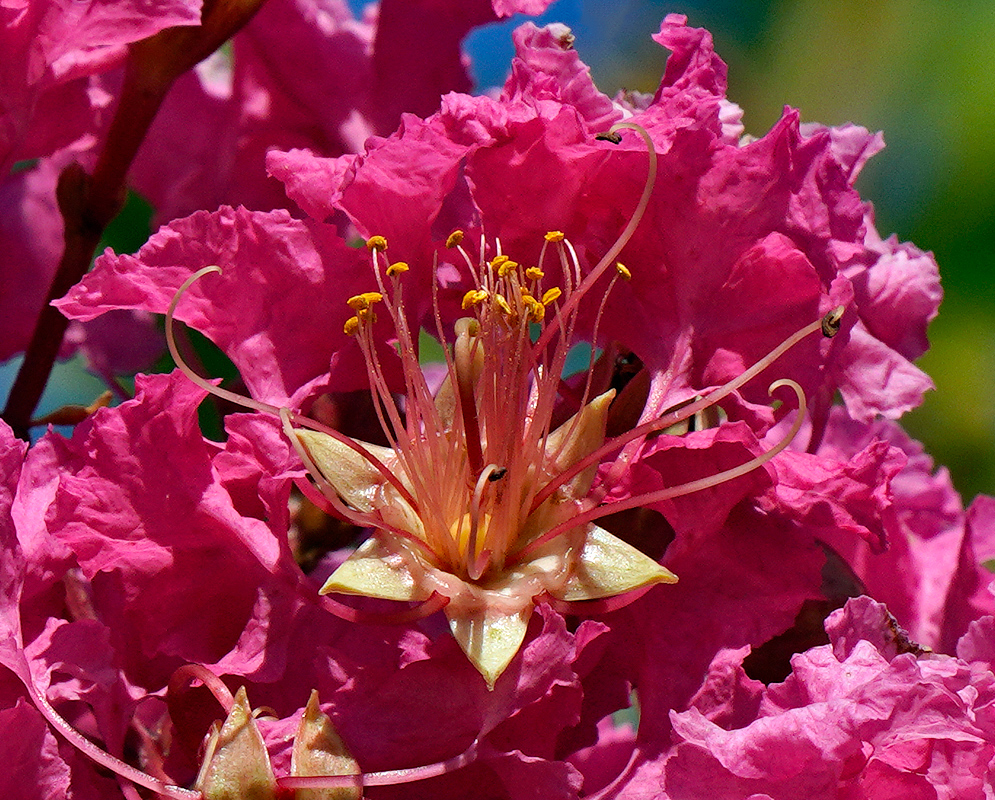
x: 624, y: 236
x: 210, y: 388
x: 465, y: 353
x: 486, y: 476
x: 386, y: 778
x: 183, y: 676
x: 684, y: 488
x: 376, y: 244
x: 105, y: 759
x: 684, y: 412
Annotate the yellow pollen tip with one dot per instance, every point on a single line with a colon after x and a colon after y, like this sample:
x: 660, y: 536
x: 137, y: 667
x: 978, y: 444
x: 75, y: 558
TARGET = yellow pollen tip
x: 361, y: 302
x: 397, y: 268
x: 534, y: 274
x: 473, y: 297
x: 454, y: 240
x: 376, y: 244
x: 501, y: 303
x: 623, y: 270
x: 555, y: 236
x: 550, y: 295
x: 351, y: 327
x: 536, y: 309
x: 507, y: 268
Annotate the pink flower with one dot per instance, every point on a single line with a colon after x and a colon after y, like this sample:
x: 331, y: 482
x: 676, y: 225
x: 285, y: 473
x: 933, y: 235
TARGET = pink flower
x: 506, y: 229
x: 470, y: 165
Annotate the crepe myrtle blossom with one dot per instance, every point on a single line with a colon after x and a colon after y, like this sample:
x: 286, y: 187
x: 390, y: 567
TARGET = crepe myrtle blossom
x: 479, y: 500
x: 485, y: 497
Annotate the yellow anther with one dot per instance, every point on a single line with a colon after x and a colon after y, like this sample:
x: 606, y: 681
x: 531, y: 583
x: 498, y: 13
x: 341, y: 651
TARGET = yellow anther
x: 455, y: 238
x: 351, y: 327
x: 473, y: 297
x: 501, y: 303
x: 550, y: 295
x: 397, y: 268
x: 497, y: 262
x: 361, y: 302
x: 536, y: 309
x: 555, y: 236
x: 534, y: 274
x: 507, y: 268
x: 376, y: 244
x: 623, y: 270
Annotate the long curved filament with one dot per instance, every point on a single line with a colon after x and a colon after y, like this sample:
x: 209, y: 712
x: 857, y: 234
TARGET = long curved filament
x: 684, y: 488
x: 685, y: 412
x: 623, y: 238
x: 257, y: 405
x: 387, y: 778
x: 103, y: 758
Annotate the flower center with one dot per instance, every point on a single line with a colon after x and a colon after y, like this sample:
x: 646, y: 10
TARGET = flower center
x: 475, y: 453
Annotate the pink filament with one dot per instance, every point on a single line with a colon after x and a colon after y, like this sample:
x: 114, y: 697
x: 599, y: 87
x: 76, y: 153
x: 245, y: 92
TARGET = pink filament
x: 436, y: 602
x: 674, y: 491
x: 188, y: 673
x: 387, y: 778
x: 601, y: 605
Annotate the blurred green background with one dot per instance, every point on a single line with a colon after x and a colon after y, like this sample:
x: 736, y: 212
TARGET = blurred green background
x: 919, y: 70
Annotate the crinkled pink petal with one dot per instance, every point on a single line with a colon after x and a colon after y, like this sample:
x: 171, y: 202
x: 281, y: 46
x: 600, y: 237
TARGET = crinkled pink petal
x: 853, y: 720
x: 272, y: 268
x: 547, y: 70
x: 930, y: 576
x: 33, y: 768
x: 900, y: 294
x: 873, y: 382
x: 671, y: 461
x: 151, y: 556
x: 51, y: 48
x: 743, y: 585
x: 863, y: 620
x: 12, y: 452
x: 838, y: 499
x: 971, y: 592
x: 727, y: 697
x: 298, y: 76
x: 505, y: 8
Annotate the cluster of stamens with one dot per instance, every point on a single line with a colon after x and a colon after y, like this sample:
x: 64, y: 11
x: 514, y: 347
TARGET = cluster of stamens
x: 475, y: 454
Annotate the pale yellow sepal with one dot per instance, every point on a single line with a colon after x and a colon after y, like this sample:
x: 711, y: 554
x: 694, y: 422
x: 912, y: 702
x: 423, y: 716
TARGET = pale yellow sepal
x: 490, y: 639
x: 352, y: 476
x: 576, y: 438
x: 374, y: 570
x: 318, y: 750
x: 608, y: 567
x: 236, y: 765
